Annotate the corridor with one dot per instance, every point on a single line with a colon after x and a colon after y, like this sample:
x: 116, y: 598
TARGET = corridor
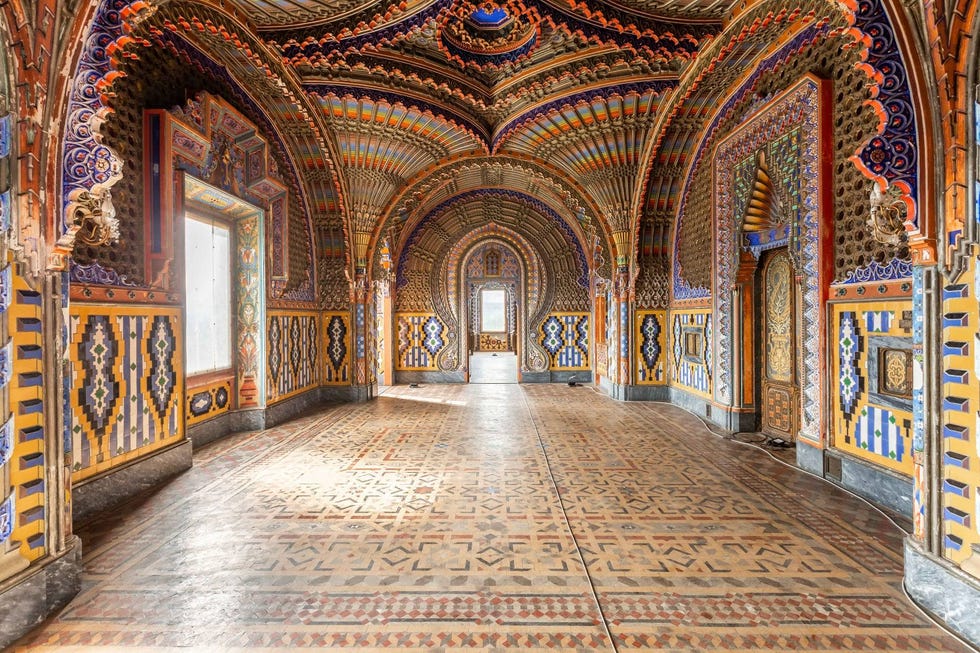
x: 497, y: 517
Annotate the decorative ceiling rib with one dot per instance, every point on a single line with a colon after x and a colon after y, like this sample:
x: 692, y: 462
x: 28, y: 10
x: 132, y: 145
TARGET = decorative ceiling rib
x: 598, y: 143
x: 423, y: 247
x: 291, y: 14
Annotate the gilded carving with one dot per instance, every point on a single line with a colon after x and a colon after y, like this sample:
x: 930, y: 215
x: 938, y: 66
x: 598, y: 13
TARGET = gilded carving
x: 887, y: 215
x: 94, y: 217
x: 779, y: 337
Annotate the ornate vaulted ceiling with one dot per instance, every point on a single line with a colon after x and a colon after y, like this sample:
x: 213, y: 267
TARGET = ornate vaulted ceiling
x: 392, y: 108
x: 406, y: 88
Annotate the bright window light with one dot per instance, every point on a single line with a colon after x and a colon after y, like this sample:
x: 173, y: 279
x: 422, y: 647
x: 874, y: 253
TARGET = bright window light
x: 207, y: 265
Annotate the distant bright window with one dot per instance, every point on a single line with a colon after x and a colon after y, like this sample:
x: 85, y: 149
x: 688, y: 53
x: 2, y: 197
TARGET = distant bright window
x: 207, y: 264
x: 493, y: 310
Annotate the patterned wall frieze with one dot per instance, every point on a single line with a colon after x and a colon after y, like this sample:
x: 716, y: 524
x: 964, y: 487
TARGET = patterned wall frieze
x: 127, y: 383
x: 871, y: 291
x: 871, y: 372
x: 419, y: 338
x: 690, y: 350
x: 565, y: 336
x: 121, y: 295
x: 336, y: 348
x: 294, y: 349
x: 204, y: 402
x: 650, y: 343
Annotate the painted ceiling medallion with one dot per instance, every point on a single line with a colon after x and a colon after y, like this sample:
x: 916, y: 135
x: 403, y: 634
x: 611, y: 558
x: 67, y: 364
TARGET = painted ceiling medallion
x: 489, y: 34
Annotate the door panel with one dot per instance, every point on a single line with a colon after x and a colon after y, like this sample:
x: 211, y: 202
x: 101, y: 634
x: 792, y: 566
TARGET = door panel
x: 780, y: 405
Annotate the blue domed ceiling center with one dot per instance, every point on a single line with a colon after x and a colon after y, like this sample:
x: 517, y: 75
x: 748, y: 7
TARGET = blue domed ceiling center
x: 493, y: 18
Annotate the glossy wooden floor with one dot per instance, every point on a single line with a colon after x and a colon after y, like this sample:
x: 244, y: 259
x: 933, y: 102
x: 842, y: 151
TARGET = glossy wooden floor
x: 492, y: 517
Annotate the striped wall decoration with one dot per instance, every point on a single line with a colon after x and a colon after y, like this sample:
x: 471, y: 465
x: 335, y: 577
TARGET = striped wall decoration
x: 566, y: 338
x: 22, y: 452
x: 878, y: 321
x: 420, y: 336
x: 293, y: 354
x: 128, y: 384
x: 878, y: 431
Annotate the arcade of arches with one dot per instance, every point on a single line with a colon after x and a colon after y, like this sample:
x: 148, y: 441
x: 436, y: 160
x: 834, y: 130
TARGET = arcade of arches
x: 762, y: 212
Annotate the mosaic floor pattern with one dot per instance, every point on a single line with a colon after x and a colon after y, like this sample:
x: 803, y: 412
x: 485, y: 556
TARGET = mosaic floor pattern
x: 495, y: 517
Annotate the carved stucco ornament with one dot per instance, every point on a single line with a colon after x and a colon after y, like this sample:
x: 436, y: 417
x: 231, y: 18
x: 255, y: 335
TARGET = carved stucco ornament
x: 887, y: 215
x: 94, y: 217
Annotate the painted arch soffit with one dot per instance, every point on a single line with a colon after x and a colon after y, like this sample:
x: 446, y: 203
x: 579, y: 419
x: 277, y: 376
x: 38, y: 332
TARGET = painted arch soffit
x: 478, y: 208
x: 760, y: 38
x: 564, y: 196
x: 273, y: 85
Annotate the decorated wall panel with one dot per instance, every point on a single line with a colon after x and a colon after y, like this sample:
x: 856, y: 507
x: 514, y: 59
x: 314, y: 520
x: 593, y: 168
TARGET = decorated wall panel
x: 651, y: 347
x: 127, y: 383
x: 419, y: 338
x: 960, y: 426
x: 204, y: 402
x: 871, y: 377
x: 565, y: 336
x: 336, y: 348
x: 293, y: 359
x: 22, y: 452
x: 690, y: 351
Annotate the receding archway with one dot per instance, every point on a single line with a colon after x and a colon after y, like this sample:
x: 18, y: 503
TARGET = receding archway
x: 494, y: 306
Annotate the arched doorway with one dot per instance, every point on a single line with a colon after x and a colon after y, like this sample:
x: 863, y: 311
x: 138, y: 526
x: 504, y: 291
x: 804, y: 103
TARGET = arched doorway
x: 492, y: 289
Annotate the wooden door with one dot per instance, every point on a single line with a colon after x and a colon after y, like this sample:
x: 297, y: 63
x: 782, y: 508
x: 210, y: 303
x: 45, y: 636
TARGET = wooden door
x: 780, y: 385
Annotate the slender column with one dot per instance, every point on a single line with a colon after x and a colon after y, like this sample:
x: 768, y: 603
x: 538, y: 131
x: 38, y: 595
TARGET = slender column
x: 362, y: 357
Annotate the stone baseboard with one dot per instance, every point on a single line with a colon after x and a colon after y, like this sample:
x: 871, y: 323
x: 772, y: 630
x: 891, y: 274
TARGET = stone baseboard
x: 115, y: 487
x: 944, y: 590
x: 30, y: 597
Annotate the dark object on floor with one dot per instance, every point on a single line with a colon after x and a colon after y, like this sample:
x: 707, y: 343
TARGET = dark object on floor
x: 781, y: 443
x: 413, y: 385
x: 571, y: 382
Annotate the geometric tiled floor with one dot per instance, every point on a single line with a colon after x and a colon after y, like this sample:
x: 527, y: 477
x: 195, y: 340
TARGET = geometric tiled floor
x: 493, y: 517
